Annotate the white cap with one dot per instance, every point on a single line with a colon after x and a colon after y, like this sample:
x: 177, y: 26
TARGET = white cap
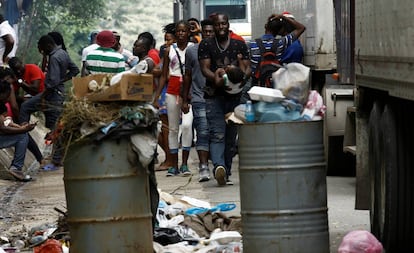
x: 288, y: 14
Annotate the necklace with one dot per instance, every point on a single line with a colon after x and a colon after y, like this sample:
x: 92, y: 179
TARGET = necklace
x: 225, y: 47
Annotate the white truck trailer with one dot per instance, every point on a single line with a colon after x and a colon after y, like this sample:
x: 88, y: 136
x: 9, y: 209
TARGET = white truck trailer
x: 369, y: 42
x: 237, y: 10
x: 319, y: 42
x: 384, y: 67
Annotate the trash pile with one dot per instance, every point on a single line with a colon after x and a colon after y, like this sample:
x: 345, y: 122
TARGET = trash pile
x: 192, y: 225
x: 45, y: 238
x: 289, y: 100
x: 183, y: 225
x: 84, y: 120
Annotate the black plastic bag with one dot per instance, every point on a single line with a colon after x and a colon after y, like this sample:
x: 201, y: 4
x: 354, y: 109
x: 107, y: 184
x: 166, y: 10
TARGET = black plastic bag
x: 165, y: 236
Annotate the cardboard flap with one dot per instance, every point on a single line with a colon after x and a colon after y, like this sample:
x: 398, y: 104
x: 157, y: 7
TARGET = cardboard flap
x: 134, y: 87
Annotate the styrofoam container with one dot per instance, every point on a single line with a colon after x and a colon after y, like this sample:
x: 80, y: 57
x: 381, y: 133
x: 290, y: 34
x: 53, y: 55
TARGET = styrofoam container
x: 265, y: 94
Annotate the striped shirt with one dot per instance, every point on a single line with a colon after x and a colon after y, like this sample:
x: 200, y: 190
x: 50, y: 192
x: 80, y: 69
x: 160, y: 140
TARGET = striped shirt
x: 267, y: 40
x: 105, y: 61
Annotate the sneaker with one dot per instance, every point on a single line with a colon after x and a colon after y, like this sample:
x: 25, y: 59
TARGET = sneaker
x: 204, y: 173
x: 220, y: 175
x: 185, y: 171
x: 172, y: 172
x: 18, y: 174
x: 229, y: 182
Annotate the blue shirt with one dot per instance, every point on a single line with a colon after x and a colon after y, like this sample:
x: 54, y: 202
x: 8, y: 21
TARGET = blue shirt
x: 294, y: 53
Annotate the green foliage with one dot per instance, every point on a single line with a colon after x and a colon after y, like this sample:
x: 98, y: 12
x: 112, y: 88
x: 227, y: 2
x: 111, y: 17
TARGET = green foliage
x: 73, y: 19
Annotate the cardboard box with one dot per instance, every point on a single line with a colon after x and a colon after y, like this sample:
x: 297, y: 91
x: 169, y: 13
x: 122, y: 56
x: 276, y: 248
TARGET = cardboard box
x: 132, y: 87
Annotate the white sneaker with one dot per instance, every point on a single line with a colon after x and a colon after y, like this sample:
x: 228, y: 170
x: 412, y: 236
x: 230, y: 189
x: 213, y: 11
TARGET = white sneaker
x: 204, y: 173
x: 229, y: 182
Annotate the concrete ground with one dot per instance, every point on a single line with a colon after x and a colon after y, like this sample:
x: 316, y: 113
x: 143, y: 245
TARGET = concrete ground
x: 32, y: 203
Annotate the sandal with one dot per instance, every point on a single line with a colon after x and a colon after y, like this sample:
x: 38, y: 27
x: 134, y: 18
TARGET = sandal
x: 50, y: 167
x: 163, y: 166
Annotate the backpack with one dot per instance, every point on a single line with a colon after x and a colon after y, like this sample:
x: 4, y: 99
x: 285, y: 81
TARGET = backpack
x: 267, y: 65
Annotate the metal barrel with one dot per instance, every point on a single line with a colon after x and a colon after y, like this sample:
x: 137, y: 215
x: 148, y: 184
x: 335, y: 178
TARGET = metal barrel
x: 108, y: 199
x: 283, y: 187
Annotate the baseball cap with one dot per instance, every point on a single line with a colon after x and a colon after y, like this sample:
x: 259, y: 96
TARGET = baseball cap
x: 288, y: 14
x: 105, y: 39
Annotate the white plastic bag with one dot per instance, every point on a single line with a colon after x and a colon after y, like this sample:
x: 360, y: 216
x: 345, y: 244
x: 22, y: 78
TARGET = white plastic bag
x: 145, y: 145
x: 293, y: 80
x: 140, y: 68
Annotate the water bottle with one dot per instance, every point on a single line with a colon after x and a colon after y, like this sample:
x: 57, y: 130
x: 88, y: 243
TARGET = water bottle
x: 249, y: 112
x: 48, y: 149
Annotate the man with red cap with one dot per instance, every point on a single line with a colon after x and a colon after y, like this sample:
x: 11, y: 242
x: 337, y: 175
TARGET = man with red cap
x: 104, y: 59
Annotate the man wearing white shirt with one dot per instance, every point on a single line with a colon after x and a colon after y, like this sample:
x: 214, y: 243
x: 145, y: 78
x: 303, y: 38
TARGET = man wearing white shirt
x: 93, y: 45
x: 8, y: 41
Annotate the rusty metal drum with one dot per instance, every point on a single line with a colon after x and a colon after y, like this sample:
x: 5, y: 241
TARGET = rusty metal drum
x: 108, y: 199
x: 283, y: 187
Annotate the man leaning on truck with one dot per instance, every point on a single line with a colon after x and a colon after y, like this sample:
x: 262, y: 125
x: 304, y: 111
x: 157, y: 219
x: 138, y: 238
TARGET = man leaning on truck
x: 275, y: 26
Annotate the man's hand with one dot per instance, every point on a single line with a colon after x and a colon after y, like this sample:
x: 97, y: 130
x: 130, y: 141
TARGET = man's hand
x: 30, y: 127
x: 194, y: 27
x: 185, y: 107
x: 218, y: 77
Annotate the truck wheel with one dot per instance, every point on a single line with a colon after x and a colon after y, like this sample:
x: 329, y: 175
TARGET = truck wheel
x: 405, y: 137
x: 388, y: 220
x: 374, y: 164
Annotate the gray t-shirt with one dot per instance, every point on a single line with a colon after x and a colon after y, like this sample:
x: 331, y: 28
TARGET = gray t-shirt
x: 199, y: 81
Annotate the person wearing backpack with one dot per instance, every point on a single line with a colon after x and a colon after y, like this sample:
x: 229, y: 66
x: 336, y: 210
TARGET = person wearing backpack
x: 266, y: 52
x: 294, y: 52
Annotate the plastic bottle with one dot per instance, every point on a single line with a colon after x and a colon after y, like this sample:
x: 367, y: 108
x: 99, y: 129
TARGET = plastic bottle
x: 47, y: 152
x: 249, y: 111
x: 19, y: 244
x: 308, y: 114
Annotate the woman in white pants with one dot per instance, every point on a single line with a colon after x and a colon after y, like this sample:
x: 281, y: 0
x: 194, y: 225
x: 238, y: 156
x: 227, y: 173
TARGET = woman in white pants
x: 173, y: 70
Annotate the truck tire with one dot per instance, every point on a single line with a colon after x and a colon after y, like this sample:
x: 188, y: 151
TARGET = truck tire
x: 374, y: 164
x: 405, y: 149
x: 389, y: 201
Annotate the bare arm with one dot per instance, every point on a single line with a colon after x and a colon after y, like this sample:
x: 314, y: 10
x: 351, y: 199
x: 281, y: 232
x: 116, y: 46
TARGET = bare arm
x: 73, y: 70
x: 216, y: 77
x: 164, y: 76
x: 14, y: 105
x: 13, y: 129
x: 9, y: 43
x: 205, y: 69
x: 32, y: 88
x: 299, y: 28
x: 84, y: 71
x: 151, y: 65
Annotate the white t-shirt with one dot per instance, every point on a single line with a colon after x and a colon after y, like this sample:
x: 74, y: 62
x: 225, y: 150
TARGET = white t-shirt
x: 5, y: 29
x: 174, y: 67
x: 88, y: 49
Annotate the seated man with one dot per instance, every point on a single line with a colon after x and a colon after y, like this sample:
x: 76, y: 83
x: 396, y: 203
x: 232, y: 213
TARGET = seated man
x: 8, y: 75
x: 29, y: 77
x: 13, y: 135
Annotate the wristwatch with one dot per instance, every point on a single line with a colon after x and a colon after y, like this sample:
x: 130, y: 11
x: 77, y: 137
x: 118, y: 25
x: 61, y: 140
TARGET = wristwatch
x: 20, y: 81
